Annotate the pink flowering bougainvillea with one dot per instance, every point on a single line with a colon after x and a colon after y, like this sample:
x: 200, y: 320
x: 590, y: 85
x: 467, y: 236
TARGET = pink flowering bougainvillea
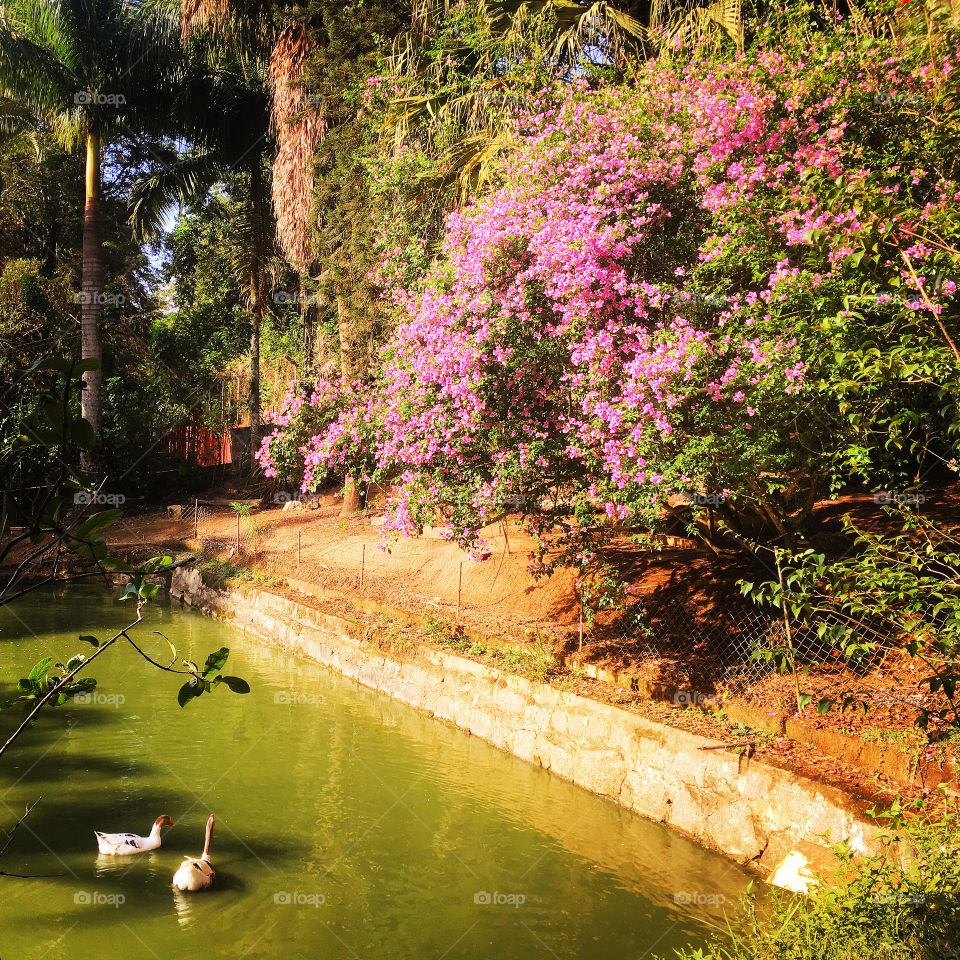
x: 668, y: 294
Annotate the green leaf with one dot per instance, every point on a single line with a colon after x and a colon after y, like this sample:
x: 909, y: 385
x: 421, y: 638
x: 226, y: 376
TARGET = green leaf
x: 216, y: 661
x: 99, y: 521
x: 173, y: 649
x: 236, y: 684
x: 83, y: 434
x: 188, y: 691
x: 40, y: 669
x: 60, y: 364
x: 130, y: 590
x: 87, y: 638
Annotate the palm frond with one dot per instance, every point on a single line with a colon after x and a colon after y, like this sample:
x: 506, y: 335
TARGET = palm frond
x: 201, y: 13
x: 689, y: 22
x: 598, y: 29
x: 30, y: 72
x: 174, y: 179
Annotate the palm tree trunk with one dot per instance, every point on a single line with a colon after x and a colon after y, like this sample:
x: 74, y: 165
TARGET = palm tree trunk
x: 92, y: 292
x: 256, y: 214
x: 307, y: 310
x: 348, y: 371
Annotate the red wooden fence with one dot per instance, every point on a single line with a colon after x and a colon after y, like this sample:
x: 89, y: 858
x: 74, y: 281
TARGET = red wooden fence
x: 196, y: 443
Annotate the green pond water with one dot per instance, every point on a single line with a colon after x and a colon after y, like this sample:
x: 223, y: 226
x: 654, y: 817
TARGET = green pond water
x: 348, y: 825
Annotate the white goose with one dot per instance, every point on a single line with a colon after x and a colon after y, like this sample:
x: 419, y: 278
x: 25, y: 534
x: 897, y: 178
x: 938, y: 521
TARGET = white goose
x: 123, y: 844
x: 197, y: 874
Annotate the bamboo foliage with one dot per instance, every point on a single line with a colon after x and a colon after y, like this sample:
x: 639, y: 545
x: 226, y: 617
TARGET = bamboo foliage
x: 299, y: 125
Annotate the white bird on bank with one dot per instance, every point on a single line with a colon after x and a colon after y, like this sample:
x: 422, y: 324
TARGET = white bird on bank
x: 123, y: 844
x: 197, y: 874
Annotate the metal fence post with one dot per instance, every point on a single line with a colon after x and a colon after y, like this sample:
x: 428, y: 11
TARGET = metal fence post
x: 459, y: 590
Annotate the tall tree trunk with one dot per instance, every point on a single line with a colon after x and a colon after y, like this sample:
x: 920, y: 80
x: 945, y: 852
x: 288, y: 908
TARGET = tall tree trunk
x: 256, y: 236
x: 92, y: 293
x: 348, y: 371
x: 308, y: 308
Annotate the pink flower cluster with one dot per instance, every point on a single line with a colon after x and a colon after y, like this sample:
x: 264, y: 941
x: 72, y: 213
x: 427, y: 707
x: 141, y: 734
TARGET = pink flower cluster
x: 643, y: 278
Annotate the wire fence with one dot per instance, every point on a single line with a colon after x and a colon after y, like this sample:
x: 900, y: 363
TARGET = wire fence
x: 734, y: 646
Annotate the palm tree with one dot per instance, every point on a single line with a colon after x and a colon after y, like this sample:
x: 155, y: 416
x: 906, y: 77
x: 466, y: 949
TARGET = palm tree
x: 90, y: 71
x: 223, y: 112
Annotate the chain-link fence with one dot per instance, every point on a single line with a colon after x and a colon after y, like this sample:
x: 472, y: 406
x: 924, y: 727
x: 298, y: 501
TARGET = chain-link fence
x: 729, y: 646
x: 736, y: 648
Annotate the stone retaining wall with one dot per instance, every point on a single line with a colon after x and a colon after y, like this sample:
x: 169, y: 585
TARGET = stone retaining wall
x: 753, y: 812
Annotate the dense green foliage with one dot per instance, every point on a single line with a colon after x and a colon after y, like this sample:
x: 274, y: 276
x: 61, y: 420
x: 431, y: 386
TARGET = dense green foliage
x: 899, y: 904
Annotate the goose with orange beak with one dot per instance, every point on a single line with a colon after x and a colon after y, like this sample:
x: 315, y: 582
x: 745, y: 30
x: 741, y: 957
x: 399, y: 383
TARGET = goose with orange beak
x: 124, y: 844
x: 197, y: 873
